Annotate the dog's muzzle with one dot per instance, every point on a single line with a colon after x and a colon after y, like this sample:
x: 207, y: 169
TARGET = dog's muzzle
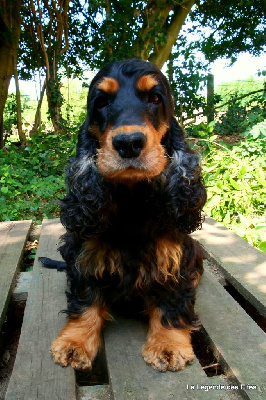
x: 129, y: 145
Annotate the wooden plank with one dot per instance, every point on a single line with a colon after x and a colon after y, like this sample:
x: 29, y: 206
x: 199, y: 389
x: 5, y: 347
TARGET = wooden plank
x: 97, y: 392
x: 237, y: 339
x: 35, y: 376
x: 13, y: 237
x: 242, y: 265
x: 20, y: 292
x: 132, y: 379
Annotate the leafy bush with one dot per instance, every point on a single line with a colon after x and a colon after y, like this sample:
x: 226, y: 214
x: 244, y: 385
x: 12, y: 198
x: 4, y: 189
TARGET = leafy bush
x: 241, y: 113
x: 233, y: 121
x: 235, y: 182
x: 32, y: 178
x: 10, y: 111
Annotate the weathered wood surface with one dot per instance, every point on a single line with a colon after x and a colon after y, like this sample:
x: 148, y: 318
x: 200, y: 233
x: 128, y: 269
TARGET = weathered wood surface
x: 13, y: 237
x: 237, y: 339
x: 132, y: 379
x: 20, y: 292
x: 242, y: 265
x: 98, y: 392
x: 35, y: 376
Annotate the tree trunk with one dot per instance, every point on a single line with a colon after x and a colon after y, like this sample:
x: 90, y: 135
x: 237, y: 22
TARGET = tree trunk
x: 9, y: 35
x: 1, y: 132
x: 55, y: 100
x: 21, y: 134
x: 161, y: 54
x: 37, y: 119
x: 54, y: 33
x: 210, y: 98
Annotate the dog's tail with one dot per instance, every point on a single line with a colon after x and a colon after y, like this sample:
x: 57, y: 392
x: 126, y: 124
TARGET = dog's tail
x: 52, y: 264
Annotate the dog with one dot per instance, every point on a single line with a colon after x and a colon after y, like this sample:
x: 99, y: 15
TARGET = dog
x: 135, y: 193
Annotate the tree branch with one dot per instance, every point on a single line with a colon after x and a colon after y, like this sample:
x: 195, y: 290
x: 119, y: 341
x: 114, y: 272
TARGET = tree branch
x: 156, y: 14
x: 39, y: 30
x: 160, y: 56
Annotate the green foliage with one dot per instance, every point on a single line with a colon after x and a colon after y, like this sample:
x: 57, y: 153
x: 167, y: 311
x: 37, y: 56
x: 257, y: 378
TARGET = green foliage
x: 10, y: 111
x: 97, y: 32
x: 235, y: 182
x: 233, y: 121
x: 187, y: 76
x: 75, y: 94
x: 234, y: 89
x: 241, y: 112
x: 233, y: 27
x: 32, y: 178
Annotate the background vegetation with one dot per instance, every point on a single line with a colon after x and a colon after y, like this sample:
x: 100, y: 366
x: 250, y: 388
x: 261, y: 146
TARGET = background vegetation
x: 62, y: 44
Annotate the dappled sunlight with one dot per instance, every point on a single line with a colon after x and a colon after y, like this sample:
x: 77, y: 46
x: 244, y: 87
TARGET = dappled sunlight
x: 219, y: 240
x: 257, y: 277
x: 244, y: 259
x: 214, y: 233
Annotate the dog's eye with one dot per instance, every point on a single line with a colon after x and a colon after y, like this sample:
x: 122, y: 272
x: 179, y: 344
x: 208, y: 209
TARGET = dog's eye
x: 154, y: 98
x: 101, y: 102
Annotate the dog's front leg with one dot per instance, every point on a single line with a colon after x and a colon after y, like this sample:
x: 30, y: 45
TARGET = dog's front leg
x: 79, y: 341
x: 166, y: 348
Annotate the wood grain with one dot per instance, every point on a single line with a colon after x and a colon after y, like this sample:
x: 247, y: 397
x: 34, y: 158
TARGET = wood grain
x: 13, y: 237
x: 132, y: 379
x: 237, y: 340
x: 35, y: 376
x: 241, y: 264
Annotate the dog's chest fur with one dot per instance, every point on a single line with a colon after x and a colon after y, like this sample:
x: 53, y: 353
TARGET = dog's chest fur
x: 131, y: 222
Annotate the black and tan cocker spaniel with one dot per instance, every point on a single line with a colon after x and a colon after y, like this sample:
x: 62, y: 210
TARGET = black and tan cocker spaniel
x: 135, y: 193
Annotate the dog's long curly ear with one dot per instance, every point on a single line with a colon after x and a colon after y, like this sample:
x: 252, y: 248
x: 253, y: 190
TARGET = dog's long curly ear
x: 81, y: 208
x: 186, y: 194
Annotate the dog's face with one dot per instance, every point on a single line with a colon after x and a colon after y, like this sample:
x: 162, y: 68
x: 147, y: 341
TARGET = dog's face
x: 129, y: 109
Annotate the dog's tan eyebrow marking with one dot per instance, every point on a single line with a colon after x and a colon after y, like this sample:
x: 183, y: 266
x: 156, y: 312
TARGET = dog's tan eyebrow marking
x: 146, y: 83
x: 108, y: 85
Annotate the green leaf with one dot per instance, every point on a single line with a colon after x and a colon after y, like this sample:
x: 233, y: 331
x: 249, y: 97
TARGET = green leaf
x: 246, y: 222
x: 262, y: 247
x: 257, y: 227
x: 243, y: 170
x: 220, y: 185
x: 227, y: 218
x: 4, y: 189
x: 213, y: 138
x: 214, y: 201
x: 234, y: 184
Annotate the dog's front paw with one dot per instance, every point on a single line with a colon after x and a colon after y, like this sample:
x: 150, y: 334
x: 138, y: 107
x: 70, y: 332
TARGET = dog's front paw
x: 167, y: 357
x: 66, y: 353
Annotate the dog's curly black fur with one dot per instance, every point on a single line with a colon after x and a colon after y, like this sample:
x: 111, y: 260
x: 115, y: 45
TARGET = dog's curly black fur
x: 128, y: 223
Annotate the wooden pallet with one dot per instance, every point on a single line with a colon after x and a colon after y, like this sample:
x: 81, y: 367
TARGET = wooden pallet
x: 238, y: 343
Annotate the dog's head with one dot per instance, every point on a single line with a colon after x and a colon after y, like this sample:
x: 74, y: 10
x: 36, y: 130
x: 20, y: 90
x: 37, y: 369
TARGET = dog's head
x: 130, y: 116
x: 130, y: 135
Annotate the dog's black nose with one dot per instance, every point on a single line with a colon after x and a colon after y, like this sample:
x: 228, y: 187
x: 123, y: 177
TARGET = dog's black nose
x: 129, y: 145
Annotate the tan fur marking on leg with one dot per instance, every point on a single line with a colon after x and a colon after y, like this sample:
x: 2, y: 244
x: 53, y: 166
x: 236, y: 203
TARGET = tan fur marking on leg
x: 79, y: 341
x: 166, y: 349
